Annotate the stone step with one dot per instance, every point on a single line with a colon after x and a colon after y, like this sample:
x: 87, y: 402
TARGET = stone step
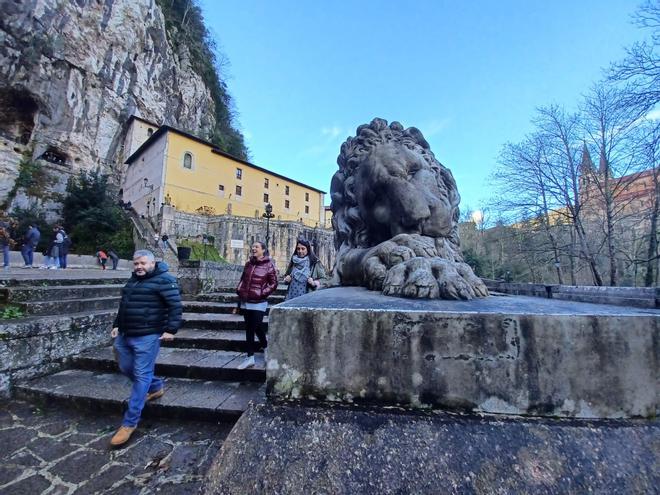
x: 215, y: 321
x: 183, y: 399
x: 209, y: 307
x: 224, y: 340
x: 231, y: 297
x: 176, y: 362
x: 24, y: 293
x: 52, y: 278
x: 68, y: 306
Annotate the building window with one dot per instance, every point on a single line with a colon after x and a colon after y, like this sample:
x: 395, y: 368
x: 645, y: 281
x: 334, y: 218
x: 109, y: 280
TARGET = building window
x: 265, y: 198
x: 239, y: 191
x: 150, y: 131
x: 265, y: 183
x: 221, y: 190
x: 286, y: 204
x: 286, y: 190
x: 306, y: 210
x: 187, y: 160
x: 239, y: 173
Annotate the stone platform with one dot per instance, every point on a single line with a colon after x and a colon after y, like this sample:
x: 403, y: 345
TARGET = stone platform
x: 509, y: 354
x: 347, y: 450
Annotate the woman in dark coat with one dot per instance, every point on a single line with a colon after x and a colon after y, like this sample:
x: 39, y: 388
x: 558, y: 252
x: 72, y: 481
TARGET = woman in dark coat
x: 258, y: 281
x: 305, y: 272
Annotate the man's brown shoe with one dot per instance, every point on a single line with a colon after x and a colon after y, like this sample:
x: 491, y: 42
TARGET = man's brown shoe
x: 122, y: 435
x: 155, y: 395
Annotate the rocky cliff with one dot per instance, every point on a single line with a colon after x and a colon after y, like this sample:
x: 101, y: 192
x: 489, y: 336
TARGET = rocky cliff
x: 72, y: 72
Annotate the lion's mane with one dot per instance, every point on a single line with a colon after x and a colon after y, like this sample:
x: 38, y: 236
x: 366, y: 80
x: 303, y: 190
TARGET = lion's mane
x: 347, y: 221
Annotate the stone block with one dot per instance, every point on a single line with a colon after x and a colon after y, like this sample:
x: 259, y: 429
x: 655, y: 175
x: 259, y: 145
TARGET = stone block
x: 511, y: 355
x: 302, y: 448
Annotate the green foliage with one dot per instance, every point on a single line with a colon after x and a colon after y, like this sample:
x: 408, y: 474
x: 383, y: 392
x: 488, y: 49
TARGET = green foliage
x: 10, y: 312
x: 92, y: 217
x: 200, y: 251
x: 475, y: 261
x: 185, y: 27
x: 32, y: 177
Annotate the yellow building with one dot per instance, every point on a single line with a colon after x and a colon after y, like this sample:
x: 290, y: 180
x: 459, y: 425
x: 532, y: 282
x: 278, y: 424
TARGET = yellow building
x: 172, y: 167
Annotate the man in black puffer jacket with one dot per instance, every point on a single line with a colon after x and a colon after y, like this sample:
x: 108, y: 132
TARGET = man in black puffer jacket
x: 150, y: 311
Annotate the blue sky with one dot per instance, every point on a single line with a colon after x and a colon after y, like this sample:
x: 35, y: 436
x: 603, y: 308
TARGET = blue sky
x: 468, y: 74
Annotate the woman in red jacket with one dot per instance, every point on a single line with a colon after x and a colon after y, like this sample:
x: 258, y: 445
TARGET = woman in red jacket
x: 259, y: 280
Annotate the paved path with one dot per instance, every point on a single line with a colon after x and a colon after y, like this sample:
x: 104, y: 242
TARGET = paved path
x: 58, y: 452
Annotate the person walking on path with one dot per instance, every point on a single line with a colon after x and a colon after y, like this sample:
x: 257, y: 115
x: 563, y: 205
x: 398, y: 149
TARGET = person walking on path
x: 150, y: 311
x: 30, y: 241
x: 64, y: 246
x: 305, y: 272
x: 114, y: 257
x: 258, y: 281
x: 5, y: 242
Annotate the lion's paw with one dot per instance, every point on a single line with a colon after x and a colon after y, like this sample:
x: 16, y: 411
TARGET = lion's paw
x: 432, y: 278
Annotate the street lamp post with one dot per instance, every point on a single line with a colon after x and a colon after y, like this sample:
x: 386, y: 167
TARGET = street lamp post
x: 268, y: 215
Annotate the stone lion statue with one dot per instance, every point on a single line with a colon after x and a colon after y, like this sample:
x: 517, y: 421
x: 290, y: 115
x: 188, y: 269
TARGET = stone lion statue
x: 395, y: 216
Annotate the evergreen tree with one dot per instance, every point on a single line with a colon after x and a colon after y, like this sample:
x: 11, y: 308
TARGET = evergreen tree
x: 92, y: 217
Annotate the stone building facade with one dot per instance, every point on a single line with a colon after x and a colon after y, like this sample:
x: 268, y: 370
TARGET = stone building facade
x: 233, y: 235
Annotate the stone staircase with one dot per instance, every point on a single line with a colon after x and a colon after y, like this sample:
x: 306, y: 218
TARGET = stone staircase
x: 200, y: 367
x: 43, y: 297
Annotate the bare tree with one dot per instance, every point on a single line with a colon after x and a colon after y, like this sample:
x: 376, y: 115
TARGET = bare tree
x: 641, y: 67
x: 562, y: 173
x: 523, y: 192
x: 610, y: 124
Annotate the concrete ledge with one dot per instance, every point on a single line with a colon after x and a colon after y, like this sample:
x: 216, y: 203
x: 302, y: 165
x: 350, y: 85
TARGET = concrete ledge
x: 292, y: 449
x: 33, y: 346
x: 638, y: 297
x: 510, y: 355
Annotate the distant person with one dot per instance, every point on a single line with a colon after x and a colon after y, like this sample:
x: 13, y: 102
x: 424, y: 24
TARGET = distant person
x: 165, y: 238
x: 149, y: 311
x: 114, y: 257
x: 30, y: 241
x: 305, y: 272
x: 156, y: 240
x: 52, y: 253
x: 102, y: 257
x: 5, y: 242
x: 258, y: 281
x: 64, y: 247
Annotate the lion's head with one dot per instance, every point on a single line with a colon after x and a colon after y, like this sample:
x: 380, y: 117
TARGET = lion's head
x: 388, y: 183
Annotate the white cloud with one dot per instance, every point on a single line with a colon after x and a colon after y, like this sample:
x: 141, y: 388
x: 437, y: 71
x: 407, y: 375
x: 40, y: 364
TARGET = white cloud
x: 333, y: 131
x: 329, y: 143
x: 653, y: 114
x: 433, y: 127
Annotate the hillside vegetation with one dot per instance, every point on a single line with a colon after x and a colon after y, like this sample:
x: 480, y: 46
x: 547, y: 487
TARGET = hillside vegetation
x: 185, y: 26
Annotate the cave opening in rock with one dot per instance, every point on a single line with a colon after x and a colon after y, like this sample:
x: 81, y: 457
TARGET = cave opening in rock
x: 17, y: 114
x: 55, y: 155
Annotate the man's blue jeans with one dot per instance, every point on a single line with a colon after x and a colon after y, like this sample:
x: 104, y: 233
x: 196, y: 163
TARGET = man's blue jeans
x: 5, y: 254
x: 137, y: 358
x: 28, y: 254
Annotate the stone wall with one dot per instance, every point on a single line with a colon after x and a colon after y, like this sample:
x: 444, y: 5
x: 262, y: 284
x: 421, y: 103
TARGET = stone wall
x: 638, y: 297
x: 228, y: 228
x: 196, y: 277
x: 36, y: 346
